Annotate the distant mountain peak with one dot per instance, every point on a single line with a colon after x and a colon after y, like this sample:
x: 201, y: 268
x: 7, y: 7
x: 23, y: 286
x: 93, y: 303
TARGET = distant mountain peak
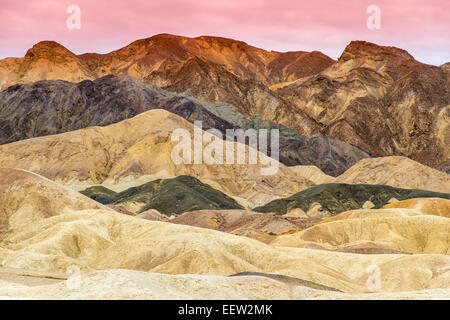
x: 47, y: 44
x: 47, y: 48
x: 361, y: 49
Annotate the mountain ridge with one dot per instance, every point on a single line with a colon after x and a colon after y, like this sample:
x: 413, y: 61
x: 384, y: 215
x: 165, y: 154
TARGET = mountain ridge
x: 55, y: 106
x: 378, y: 98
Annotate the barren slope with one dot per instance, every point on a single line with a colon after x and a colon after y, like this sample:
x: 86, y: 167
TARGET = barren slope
x: 51, y: 107
x: 375, y: 97
x: 262, y: 227
x: 103, y: 239
x: 138, y: 150
x: 126, y: 284
x: 404, y: 230
x: 397, y: 172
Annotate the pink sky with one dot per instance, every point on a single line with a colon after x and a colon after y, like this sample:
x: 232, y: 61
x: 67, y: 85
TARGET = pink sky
x: 422, y: 27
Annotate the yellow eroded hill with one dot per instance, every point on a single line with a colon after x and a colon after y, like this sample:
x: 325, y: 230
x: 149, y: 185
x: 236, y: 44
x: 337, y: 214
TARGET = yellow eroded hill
x: 98, y: 238
x: 402, y: 229
x: 26, y: 198
x: 434, y: 206
x: 128, y: 284
x: 398, y: 172
x: 313, y: 173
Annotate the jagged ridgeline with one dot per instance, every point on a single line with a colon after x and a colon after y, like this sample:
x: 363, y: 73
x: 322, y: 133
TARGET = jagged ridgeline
x: 147, y: 226
x: 51, y: 107
x: 378, y: 98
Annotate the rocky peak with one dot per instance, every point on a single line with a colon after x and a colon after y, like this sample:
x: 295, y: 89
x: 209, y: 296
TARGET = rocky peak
x: 364, y: 49
x: 46, y: 49
x: 224, y: 42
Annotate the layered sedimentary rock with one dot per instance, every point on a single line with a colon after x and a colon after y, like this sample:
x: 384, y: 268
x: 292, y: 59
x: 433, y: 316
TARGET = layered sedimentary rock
x: 375, y: 97
x: 404, y: 230
x: 212, y: 68
x: 126, y: 284
x: 139, y: 150
x: 26, y: 198
x: 93, y: 237
x: 382, y: 100
x: 263, y: 227
x: 437, y: 206
x: 51, y: 107
x: 397, y: 172
x: 163, y: 55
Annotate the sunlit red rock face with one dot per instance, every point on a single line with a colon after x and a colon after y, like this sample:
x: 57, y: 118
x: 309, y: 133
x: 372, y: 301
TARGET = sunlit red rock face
x: 159, y: 58
x: 46, y: 60
x: 214, y: 69
x: 378, y: 98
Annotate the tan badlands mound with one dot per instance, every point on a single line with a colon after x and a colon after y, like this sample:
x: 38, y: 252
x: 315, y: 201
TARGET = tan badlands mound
x: 260, y: 226
x: 436, y: 206
x: 313, y: 173
x: 153, y: 215
x: 136, y: 151
x: 99, y: 238
x: 26, y: 198
x: 362, y: 247
x: 398, y: 172
x: 127, y: 284
x: 405, y: 208
x: 399, y: 229
x: 419, y: 234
